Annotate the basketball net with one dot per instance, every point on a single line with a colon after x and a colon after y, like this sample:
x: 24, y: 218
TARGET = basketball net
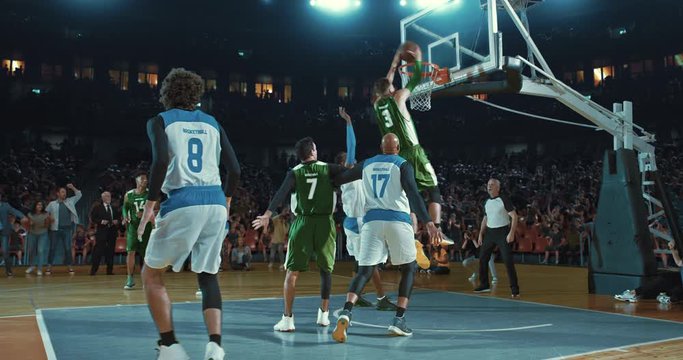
x: 421, y: 96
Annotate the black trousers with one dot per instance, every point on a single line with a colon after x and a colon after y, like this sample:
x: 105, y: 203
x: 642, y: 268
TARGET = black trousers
x: 668, y: 282
x: 105, y: 241
x: 496, y: 237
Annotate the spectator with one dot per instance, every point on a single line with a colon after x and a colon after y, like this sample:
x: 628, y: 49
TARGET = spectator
x: 240, y: 258
x: 6, y: 229
x: 439, y: 261
x: 470, y: 253
x: 555, y: 242
x: 669, y: 285
x: 107, y: 221
x: 278, y: 237
x: 63, y: 211
x: 38, y: 240
x: 82, y: 242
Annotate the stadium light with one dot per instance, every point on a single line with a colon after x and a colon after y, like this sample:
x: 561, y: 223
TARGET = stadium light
x: 429, y: 3
x: 403, y: 3
x: 336, y: 5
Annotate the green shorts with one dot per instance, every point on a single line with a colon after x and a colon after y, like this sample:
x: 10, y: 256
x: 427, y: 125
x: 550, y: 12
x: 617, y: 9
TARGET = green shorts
x: 132, y: 242
x: 308, y: 236
x: 425, y: 176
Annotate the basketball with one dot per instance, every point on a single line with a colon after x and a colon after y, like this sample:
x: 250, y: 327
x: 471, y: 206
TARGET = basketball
x: 409, y: 51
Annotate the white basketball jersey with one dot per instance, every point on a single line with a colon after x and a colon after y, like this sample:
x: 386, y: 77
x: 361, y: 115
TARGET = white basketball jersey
x: 194, y: 149
x: 353, y: 199
x: 382, y: 184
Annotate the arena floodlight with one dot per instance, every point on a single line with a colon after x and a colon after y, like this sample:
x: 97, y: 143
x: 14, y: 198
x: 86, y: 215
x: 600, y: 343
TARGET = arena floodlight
x: 336, y: 5
x: 421, y: 4
x: 403, y: 3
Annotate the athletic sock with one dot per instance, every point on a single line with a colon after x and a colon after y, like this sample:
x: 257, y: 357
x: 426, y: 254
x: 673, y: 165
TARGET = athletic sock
x: 215, y: 338
x: 167, y: 338
x: 400, y: 311
x: 348, y: 306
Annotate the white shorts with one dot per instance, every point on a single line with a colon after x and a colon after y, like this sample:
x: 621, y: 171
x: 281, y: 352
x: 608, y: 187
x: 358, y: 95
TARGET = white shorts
x: 380, y: 239
x: 199, y: 230
x: 352, y: 237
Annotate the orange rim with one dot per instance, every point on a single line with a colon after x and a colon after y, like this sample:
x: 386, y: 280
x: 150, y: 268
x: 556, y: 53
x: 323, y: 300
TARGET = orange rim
x: 438, y: 75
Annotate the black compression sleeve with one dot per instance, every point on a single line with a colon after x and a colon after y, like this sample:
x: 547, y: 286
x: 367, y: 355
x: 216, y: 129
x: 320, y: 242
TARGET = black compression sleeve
x: 232, y: 166
x: 410, y: 187
x: 349, y: 175
x: 286, y: 187
x: 159, y: 142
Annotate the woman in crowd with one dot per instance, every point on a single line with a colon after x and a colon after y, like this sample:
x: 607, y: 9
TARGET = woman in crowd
x: 38, y: 241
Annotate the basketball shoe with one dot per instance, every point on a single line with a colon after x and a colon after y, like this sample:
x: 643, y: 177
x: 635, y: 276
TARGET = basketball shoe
x: 173, y: 352
x: 422, y: 260
x: 399, y: 327
x: 213, y: 352
x: 286, y: 324
x: 343, y: 323
x: 323, y: 318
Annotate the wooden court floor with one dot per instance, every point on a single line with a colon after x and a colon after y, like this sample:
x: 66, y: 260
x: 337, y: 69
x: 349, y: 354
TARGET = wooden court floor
x: 21, y: 295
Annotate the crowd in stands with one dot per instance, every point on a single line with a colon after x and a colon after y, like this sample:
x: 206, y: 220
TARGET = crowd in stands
x: 555, y: 193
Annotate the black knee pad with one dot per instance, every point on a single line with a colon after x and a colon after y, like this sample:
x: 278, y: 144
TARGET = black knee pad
x: 434, y: 195
x: 405, y: 287
x: 211, y: 293
x: 362, y: 277
x: 325, y: 284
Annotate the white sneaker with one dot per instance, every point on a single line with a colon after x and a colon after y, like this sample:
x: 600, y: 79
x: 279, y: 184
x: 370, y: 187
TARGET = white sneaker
x: 270, y: 265
x: 173, y: 352
x: 213, y: 352
x: 323, y: 317
x: 198, y: 293
x: 627, y: 296
x: 663, y: 298
x: 286, y: 324
x: 39, y: 273
x: 494, y: 280
x: 473, y: 277
x: 29, y: 270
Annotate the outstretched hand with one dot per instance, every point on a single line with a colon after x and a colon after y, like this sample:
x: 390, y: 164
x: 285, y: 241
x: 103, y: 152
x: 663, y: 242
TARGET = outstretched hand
x: 434, y: 233
x: 262, y: 221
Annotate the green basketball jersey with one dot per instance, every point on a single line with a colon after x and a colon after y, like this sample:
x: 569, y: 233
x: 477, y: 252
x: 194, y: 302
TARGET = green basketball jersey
x: 314, y: 190
x: 390, y: 120
x: 133, y: 203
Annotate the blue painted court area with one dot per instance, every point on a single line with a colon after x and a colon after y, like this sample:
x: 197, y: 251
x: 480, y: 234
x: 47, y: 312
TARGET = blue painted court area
x: 444, y: 324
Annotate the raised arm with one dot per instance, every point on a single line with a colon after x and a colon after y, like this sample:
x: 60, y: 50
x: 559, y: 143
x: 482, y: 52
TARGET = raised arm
x: 394, y: 66
x: 350, y: 138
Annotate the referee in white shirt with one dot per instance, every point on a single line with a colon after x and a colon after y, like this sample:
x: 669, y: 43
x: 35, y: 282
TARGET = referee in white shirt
x: 496, y: 231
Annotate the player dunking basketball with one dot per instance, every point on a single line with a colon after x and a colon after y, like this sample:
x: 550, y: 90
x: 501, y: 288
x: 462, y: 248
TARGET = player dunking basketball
x: 187, y: 148
x: 393, y: 117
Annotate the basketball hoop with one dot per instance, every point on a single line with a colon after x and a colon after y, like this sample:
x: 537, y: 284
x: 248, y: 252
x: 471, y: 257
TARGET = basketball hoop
x: 421, y: 96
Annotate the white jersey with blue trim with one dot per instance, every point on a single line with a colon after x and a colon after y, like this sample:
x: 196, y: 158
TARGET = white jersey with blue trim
x: 194, y: 149
x: 382, y: 184
x: 353, y: 199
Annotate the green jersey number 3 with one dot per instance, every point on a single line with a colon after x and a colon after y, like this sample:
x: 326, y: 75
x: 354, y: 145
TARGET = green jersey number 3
x: 388, y: 122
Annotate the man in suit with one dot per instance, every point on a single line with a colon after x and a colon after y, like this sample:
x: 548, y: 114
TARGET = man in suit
x: 107, y: 221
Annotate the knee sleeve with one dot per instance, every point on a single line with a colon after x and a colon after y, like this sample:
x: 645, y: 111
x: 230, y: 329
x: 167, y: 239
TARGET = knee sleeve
x: 407, y: 276
x: 434, y: 195
x: 211, y: 293
x: 325, y: 284
x: 362, y: 277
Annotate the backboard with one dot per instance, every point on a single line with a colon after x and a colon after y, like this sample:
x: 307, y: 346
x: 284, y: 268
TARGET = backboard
x: 461, y: 35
